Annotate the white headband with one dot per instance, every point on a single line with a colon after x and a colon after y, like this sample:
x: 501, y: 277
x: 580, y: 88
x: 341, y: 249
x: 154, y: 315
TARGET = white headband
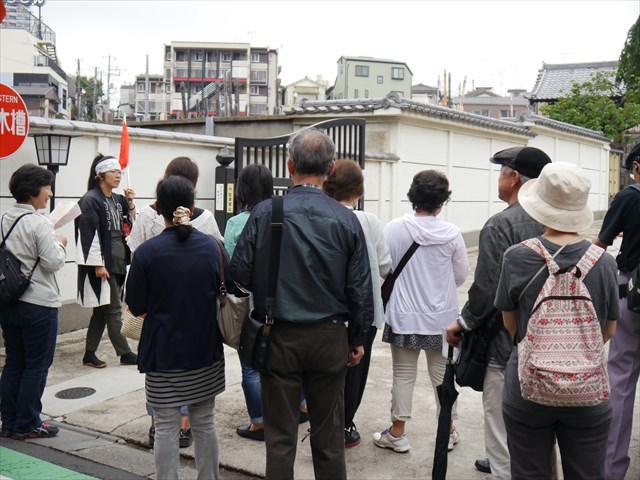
x: 107, y: 165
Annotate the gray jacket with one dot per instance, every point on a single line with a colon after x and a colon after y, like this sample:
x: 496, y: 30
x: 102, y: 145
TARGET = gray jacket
x: 506, y: 228
x: 35, y: 237
x: 324, y: 267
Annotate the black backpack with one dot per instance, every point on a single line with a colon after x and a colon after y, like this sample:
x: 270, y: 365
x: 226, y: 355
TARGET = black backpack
x: 13, y: 282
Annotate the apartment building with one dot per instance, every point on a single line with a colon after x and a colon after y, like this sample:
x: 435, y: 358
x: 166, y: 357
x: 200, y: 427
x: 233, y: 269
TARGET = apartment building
x: 152, y: 97
x: 368, y: 77
x: 221, y: 79
x: 30, y: 64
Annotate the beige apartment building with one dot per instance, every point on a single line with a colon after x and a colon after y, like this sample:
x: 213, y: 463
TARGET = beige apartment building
x: 220, y: 79
x: 368, y: 77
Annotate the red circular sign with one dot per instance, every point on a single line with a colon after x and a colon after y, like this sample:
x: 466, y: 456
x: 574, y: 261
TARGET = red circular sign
x: 14, y: 121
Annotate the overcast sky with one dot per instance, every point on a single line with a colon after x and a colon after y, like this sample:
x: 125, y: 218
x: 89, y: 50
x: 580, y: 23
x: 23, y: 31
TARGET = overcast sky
x: 494, y: 43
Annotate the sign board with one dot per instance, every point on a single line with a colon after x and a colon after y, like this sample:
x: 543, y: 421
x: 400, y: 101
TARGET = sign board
x: 14, y: 121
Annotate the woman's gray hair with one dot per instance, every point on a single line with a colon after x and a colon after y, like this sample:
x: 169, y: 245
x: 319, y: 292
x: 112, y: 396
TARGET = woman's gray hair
x: 312, y: 152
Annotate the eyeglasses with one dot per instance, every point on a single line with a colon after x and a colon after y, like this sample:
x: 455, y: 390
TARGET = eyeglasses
x: 115, y: 172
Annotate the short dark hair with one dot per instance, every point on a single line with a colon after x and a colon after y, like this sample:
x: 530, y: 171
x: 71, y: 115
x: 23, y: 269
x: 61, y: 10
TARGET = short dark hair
x: 312, y: 152
x: 93, y: 177
x: 346, y: 181
x: 184, y: 167
x: 429, y: 191
x: 173, y: 192
x: 255, y: 184
x: 28, y: 180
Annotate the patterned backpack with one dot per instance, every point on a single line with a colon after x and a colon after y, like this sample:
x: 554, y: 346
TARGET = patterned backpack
x: 561, y: 358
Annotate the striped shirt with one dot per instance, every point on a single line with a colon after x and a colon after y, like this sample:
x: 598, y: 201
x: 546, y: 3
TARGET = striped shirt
x: 175, y: 388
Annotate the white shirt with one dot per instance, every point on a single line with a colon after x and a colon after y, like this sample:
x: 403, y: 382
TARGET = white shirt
x: 424, y: 298
x: 149, y: 224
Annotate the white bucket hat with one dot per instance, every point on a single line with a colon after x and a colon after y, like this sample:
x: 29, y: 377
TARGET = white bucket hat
x: 558, y: 198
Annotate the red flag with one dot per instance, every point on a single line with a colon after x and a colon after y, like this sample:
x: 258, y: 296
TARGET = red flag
x: 3, y: 11
x: 124, y: 146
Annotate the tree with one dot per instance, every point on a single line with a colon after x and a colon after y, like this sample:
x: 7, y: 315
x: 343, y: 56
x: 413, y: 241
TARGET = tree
x: 86, y: 85
x: 596, y: 104
x: 629, y: 63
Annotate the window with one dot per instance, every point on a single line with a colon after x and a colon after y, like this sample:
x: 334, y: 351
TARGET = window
x: 141, y: 88
x: 210, y: 57
x: 226, y: 56
x: 255, y: 57
x: 254, y: 90
x: 259, y: 76
x: 181, y: 72
x: 167, y: 88
x: 380, y: 79
x: 258, y: 109
x: 152, y: 87
x: 506, y: 114
x: 198, y: 56
x: 397, y: 73
x: 366, y: 94
x: 355, y: 93
x: 167, y: 55
x: 484, y: 113
x: 180, y: 56
x: 362, y: 71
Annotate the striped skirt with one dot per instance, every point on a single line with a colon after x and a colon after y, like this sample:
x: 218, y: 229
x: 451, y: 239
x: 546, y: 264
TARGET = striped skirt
x: 175, y: 388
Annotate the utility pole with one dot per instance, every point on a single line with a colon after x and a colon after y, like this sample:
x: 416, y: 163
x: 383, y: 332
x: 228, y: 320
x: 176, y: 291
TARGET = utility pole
x: 146, y: 90
x: 111, y: 71
x: 79, y: 91
x: 95, y: 92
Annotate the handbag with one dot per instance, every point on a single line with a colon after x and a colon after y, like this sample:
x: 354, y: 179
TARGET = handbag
x: 13, y: 283
x: 390, y: 281
x: 233, y: 306
x: 131, y: 325
x: 255, y: 336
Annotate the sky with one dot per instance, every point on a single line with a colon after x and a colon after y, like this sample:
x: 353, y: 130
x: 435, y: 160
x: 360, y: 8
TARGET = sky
x: 492, y: 43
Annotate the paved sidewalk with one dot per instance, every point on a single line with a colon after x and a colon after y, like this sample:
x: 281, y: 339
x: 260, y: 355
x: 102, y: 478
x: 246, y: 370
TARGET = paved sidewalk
x: 115, y: 417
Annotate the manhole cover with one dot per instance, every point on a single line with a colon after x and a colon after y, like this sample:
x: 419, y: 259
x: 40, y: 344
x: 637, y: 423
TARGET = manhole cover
x: 76, y: 392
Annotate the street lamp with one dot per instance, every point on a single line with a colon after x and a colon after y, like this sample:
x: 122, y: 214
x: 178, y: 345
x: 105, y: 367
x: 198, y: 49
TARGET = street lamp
x: 53, y: 152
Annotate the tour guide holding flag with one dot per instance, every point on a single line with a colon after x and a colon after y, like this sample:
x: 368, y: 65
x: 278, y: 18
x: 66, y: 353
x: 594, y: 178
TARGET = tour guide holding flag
x: 102, y: 255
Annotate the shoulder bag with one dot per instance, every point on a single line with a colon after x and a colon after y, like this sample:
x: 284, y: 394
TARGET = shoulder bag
x: 633, y: 286
x: 13, y: 282
x: 390, y: 281
x: 255, y: 335
x: 233, y: 306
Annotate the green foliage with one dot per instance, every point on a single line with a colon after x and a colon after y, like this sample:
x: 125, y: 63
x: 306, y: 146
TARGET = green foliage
x: 86, y: 84
x: 596, y: 105
x: 629, y: 64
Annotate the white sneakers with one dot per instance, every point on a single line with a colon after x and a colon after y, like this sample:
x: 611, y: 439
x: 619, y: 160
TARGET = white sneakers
x: 454, y: 437
x: 401, y: 444
x: 386, y: 440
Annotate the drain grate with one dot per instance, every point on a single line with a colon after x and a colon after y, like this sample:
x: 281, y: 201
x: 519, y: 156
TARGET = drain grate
x: 76, y: 392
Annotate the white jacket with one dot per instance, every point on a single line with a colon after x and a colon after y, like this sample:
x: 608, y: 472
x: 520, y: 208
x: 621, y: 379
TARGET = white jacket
x: 33, y: 238
x: 424, y: 299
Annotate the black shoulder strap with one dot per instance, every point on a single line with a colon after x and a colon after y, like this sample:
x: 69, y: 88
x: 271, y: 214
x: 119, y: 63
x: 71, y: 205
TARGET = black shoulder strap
x: 408, y: 254
x: 277, y: 215
x: 4, y: 238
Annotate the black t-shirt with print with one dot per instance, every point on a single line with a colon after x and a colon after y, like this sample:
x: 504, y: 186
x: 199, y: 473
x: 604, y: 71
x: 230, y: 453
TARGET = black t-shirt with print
x: 624, y: 216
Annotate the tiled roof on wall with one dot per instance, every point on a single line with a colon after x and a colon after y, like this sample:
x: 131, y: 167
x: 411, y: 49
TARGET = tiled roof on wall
x: 394, y: 100
x: 563, y: 127
x: 555, y: 81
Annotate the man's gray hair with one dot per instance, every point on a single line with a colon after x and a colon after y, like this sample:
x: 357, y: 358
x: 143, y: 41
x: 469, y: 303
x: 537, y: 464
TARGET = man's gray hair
x: 312, y: 152
x: 523, y: 178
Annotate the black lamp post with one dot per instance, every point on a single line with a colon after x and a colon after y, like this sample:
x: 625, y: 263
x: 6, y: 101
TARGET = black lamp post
x: 53, y: 152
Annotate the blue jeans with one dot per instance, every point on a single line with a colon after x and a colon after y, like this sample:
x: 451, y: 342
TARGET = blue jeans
x: 253, y: 394
x: 29, y: 333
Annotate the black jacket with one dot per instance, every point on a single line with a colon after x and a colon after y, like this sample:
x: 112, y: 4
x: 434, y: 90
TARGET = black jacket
x: 324, y: 268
